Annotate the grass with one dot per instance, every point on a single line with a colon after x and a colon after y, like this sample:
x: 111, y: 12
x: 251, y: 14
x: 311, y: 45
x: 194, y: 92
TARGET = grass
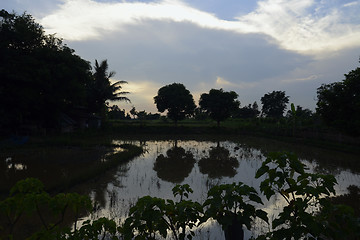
x: 63, y: 161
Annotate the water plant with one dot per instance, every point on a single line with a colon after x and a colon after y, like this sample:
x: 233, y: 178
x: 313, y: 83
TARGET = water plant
x: 232, y: 206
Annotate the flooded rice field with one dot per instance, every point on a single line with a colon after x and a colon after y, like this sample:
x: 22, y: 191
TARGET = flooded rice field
x: 202, y: 164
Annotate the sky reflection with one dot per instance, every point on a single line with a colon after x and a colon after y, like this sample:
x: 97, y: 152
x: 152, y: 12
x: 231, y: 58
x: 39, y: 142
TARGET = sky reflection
x: 146, y: 175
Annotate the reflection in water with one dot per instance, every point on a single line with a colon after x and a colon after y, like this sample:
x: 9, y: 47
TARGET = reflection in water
x: 219, y: 163
x: 163, y: 164
x: 54, y: 166
x: 176, y: 166
x: 11, y: 166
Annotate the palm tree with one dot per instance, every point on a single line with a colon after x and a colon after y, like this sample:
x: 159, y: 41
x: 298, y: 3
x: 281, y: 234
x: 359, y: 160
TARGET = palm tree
x: 101, y: 89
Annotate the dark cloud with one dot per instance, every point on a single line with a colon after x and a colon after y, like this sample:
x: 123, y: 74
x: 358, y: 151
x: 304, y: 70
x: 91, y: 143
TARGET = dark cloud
x: 169, y: 51
x: 166, y: 52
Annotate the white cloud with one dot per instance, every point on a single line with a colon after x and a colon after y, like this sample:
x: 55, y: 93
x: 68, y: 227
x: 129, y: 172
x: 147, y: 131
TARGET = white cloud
x: 302, y: 79
x: 83, y: 19
x: 221, y: 82
x: 290, y: 23
x: 351, y: 4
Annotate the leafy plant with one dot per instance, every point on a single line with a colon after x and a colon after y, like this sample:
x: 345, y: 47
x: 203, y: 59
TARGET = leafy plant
x: 186, y: 212
x: 286, y: 175
x: 229, y: 205
x: 146, y: 219
x: 339, y: 221
x: 28, y: 197
x: 151, y: 216
x: 101, y: 228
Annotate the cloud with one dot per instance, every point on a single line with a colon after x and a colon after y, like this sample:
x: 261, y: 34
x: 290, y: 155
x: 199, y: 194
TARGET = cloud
x: 150, y: 52
x: 303, y: 26
x: 351, y: 4
x: 222, y: 82
x: 303, y: 79
x: 300, y: 26
x: 195, y: 57
x: 84, y: 19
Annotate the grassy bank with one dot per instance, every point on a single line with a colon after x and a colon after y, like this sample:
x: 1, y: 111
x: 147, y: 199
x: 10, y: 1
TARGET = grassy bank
x: 313, y: 135
x: 63, y: 161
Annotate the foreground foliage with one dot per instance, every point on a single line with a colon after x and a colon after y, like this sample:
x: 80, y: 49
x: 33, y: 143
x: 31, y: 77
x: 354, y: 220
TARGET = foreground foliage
x: 307, y: 214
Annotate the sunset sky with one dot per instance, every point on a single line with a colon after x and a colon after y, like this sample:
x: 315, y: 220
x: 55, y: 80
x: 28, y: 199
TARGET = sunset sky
x: 250, y: 47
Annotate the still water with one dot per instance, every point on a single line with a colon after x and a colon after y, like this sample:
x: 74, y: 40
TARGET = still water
x: 197, y: 163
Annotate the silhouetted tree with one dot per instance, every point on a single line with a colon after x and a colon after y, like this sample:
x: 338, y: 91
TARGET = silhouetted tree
x: 40, y: 76
x: 274, y: 104
x: 114, y: 112
x: 219, y: 104
x: 101, y: 89
x: 200, y: 114
x: 250, y: 111
x: 176, y: 166
x: 339, y: 103
x: 300, y: 112
x: 133, y: 112
x: 177, y: 100
x: 219, y: 163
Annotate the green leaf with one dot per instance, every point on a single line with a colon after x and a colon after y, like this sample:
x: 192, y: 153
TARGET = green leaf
x: 262, y: 215
x: 261, y: 171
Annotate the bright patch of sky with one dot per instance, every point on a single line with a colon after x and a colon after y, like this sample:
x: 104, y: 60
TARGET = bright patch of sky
x: 251, y: 47
x: 226, y: 10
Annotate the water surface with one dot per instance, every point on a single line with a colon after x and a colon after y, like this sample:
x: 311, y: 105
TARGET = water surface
x: 203, y: 164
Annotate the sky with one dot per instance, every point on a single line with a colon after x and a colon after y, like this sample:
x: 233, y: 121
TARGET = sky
x: 247, y: 46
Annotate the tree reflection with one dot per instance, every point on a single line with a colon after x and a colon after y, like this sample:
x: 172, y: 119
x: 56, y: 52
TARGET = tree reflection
x: 176, y: 166
x: 219, y: 163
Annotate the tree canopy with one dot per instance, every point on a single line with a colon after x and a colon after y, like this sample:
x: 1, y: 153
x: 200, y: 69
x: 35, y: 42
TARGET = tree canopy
x: 42, y: 78
x: 339, y: 103
x: 274, y: 104
x: 177, y: 100
x: 219, y: 104
x: 247, y: 112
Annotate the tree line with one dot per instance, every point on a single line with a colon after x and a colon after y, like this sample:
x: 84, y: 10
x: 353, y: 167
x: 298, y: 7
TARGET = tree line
x: 338, y: 104
x: 219, y: 104
x: 45, y: 85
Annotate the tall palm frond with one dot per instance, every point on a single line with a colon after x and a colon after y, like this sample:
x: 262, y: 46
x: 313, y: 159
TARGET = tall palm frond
x: 102, y: 89
x: 116, y: 93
